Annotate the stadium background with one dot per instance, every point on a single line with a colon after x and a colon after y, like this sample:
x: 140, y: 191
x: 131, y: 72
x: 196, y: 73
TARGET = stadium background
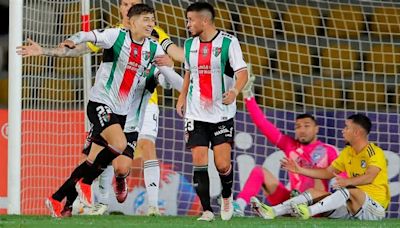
x: 329, y: 58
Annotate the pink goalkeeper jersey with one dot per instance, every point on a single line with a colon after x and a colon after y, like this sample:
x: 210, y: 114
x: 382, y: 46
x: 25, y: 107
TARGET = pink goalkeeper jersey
x: 315, y: 155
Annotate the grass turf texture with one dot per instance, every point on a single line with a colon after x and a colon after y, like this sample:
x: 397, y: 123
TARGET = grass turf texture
x: 120, y: 221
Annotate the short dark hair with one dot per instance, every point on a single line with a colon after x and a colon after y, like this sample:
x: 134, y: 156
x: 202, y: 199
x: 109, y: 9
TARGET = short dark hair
x: 140, y: 9
x: 200, y: 6
x: 306, y: 115
x: 361, y: 120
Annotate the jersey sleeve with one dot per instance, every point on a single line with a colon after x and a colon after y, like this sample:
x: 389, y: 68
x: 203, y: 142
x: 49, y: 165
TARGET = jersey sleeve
x: 236, y: 59
x: 377, y: 159
x: 159, y: 50
x: 105, y: 38
x: 338, y: 163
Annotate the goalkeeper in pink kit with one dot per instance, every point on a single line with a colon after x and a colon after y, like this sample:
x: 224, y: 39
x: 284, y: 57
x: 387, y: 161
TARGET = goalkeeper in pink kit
x: 305, y: 148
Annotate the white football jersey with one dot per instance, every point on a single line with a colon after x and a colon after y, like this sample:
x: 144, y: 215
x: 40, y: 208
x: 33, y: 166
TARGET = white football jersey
x: 212, y: 66
x: 123, y: 68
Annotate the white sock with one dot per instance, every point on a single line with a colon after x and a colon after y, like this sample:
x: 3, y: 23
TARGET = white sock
x: 242, y: 203
x: 329, y: 203
x: 285, y: 207
x: 105, y: 183
x: 152, y: 181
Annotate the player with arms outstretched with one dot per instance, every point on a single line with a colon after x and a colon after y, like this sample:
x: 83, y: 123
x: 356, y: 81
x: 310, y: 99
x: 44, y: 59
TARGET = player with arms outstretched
x: 125, y: 68
x: 215, y: 72
x: 146, y: 139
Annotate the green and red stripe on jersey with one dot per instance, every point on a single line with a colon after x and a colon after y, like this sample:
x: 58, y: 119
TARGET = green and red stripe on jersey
x: 205, y: 73
x: 134, y: 62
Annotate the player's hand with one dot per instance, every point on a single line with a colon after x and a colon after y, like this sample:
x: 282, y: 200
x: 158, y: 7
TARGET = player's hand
x: 180, y: 105
x: 163, y: 60
x: 32, y: 49
x: 340, y: 182
x: 290, y: 165
x: 67, y: 43
x: 247, y: 90
x: 229, y: 97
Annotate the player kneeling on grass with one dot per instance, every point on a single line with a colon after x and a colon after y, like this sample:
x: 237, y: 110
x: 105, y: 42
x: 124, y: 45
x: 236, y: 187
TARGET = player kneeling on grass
x: 364, y: 195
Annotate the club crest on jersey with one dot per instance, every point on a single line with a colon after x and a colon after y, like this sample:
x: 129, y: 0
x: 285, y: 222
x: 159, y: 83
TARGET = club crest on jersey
x: 363, y: 164
x: 216, y: 51
x: 146, y: 55
x: 135, y: 52
x: 205, y: 51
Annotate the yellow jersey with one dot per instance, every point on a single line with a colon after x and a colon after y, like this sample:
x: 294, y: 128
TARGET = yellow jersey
x: 154, y: 97
x: 356, y: 165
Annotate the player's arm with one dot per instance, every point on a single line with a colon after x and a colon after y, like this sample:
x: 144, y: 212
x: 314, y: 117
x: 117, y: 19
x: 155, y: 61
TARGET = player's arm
x: 180, y: 105
x: 175, y: 52
x: 231, y: 94
x: 169, y: 78
x: 318, y: 173
x: 102, y: 38
x: 367, y: 178
x: 34, y: 49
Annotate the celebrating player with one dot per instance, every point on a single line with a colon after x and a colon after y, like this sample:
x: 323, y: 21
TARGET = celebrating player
x: 364, y: 195
x: 146, y: 138
x: 305, y: 148
x: 123, y: 74
x: 215, y: 73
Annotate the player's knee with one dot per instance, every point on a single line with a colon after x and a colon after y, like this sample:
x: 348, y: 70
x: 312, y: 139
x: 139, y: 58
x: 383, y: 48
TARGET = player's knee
x: 223, y: 167
x: 122, y: 165
x: 119, y: 145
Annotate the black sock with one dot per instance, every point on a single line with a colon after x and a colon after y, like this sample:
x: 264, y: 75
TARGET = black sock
x: 101, y: 162
x: 71, y: 196
x: 69, y: 184
x: 227, y: 182
x: 201, y: 183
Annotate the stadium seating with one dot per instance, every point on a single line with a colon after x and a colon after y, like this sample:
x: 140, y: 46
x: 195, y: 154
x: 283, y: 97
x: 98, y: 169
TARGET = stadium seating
x: 279, y: 94
x: 257, y: 21
x: 345, y: 21
x: 367, y: 95
x: 114, y: 15
x: 323, y: 93
x: 57, y: 90
x: 385, y: 22
x: 338, y: 60
x: 171, y: 18
x: 398, y: 94
x: 294, y: 58
x: 256, y: 56
x: 383, y: 59
x: 61, y: 70
x: 72, y: 19
x: 3, y: 91
x: 301, y: 20
x: 223, y: 18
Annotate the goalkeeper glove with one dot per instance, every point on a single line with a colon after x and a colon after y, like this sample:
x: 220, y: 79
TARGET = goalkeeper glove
x: 247, y: 90
x: 163, y: 38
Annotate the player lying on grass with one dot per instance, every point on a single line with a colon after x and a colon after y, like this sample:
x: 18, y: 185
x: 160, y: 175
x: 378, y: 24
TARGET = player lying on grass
x: 305, y: 148
x: 364, y: 195
x: 146, y: 138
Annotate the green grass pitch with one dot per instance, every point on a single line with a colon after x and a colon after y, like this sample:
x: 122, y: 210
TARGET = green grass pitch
x: 120, y: 221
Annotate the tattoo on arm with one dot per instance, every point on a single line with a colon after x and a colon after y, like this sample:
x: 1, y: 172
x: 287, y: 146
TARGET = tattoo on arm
x: 79, y: 50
